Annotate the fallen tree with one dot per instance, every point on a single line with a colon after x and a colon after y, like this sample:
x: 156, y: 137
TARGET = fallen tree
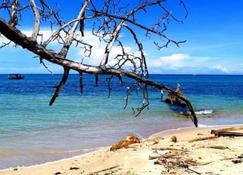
x: 107, y: 20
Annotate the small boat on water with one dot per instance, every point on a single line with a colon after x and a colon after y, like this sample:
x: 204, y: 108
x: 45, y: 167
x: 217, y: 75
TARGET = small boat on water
x: 15, y: 77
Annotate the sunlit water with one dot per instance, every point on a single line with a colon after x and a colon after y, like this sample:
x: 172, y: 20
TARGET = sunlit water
x: 31, y: 132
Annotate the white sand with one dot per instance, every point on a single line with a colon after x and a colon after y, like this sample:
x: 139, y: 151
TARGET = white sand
x: 209, y: 157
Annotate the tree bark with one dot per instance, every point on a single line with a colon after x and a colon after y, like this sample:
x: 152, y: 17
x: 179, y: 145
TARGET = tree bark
x: 31, y: 44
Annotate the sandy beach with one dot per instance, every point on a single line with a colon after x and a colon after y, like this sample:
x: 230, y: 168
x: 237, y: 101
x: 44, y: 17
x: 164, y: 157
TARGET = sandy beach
x: 115, y: 87
x: 180, y: 151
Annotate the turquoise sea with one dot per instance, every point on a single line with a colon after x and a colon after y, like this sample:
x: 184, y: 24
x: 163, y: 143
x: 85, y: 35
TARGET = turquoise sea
x: 32, y: 132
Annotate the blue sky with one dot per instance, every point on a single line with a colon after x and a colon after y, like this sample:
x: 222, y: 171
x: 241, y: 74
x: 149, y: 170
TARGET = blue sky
x: 213, y: 30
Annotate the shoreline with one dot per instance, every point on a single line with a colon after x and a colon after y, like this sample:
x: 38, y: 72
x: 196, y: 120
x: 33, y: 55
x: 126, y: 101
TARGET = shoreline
x: 99, y: 149
x: 166, y: 132
x: 183, y: 134
x: 169, y: 132
x: 102, y: 148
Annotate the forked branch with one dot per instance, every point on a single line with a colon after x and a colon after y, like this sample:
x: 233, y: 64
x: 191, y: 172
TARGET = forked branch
x: 109, y: 20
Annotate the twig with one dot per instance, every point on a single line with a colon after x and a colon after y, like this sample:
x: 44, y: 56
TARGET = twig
x: 106, y: 169
x: 202, y: 138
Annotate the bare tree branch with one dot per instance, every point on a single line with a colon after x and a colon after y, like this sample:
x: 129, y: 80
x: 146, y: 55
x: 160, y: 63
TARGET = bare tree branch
x: 109, y: 20
x: 37, y: 20
x: 117, y: 29
x: 69, y: 40
x: 60, y: 85
x: 13, y: 18
x: 81, y: 83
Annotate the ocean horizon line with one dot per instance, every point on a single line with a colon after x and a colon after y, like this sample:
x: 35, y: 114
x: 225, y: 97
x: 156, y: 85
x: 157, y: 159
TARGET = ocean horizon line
x: 149, y: 74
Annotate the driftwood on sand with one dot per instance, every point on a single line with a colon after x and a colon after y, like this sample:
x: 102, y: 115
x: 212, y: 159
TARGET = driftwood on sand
x: 203, y: 138
x: 174, y: 158
x: 228, y: 132
x: 113, y: 168
x: 223, y: 133
x: 124, y: 143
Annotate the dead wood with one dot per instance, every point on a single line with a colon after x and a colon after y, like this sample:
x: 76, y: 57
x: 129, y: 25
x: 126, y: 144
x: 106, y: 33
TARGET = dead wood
x: 124, y: 143
x: 203, y: 138
x: 152, y: 157
x: 81, y: 83
x: 60, y: 85
x: 177, y: 163
x: 232, y: 128
x: 219, y: 133
x: 170, y: 149
x: 103, y: 170
x: 73, y: 168
x: 108, y: 19
x: 219, y: 147
x: 193, y: 171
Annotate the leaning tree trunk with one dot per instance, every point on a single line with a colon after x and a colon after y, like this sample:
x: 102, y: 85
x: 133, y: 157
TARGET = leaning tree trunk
x: 19, y: 38
x: 109, y: 20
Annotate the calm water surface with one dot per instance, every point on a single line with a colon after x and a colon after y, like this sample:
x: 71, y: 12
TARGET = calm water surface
x: 32, y: 132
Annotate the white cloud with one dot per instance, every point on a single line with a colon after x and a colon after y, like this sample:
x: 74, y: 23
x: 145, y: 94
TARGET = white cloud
x: 45, y: 34
x: 186, y: 63
x: 98, y: 50
x: 221, y: 68
x: 172, y: 61
x: 77, y: 53
x: 177, y: 61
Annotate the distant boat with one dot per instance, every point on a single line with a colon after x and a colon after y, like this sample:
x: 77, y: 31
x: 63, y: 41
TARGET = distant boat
x: 15, y: 77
